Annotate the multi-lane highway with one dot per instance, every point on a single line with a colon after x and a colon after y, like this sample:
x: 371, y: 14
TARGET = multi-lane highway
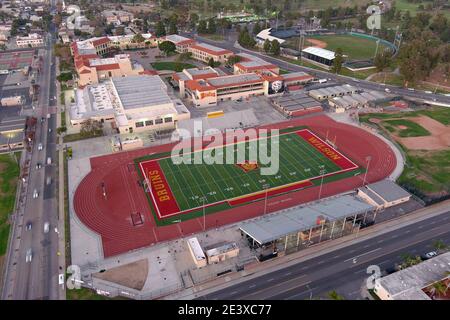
x: 343, y: 270
x: 38, y: 278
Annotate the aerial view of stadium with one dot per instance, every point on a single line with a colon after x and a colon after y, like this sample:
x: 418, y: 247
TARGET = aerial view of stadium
x: 304, y: 159
x: 225, y: 150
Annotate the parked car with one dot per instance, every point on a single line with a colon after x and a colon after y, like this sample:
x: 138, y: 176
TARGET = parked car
x: 38, y: 166
x: 40, y: 146
x: 29, y: 255
x: 35, y: 194
x: 430, y: 255
x: 28, y: 226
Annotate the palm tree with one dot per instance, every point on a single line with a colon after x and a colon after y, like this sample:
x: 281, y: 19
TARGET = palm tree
x: 335, y: 296
x: 439, y: 288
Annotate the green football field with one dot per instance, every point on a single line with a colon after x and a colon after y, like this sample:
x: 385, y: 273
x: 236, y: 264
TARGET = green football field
x: 193, y: 186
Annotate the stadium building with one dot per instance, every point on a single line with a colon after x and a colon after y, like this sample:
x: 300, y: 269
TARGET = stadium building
x: 320, y: 56
x: 130, y: 104
x: 299, y: 227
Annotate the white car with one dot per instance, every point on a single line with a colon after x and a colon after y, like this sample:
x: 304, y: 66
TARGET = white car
x: 411, y: 89
x: 40, y: 146
x: 35, y: 194
x: 46, y: 227
x: 29, y: 256
x: 28, y: 226
x: 387, y: 90
x: 431, y: 254
x: 38, y: 166
x: 428, y: 91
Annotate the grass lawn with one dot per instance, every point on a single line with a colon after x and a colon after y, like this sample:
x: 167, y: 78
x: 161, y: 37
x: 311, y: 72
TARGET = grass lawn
x: 437, y: 113
x: 169, y: 65
x: 427, y: 172
x: 413, y: 8
x: 87, y: 294
x: 214, y: 37
x: 9, y: 172
x: 356, y: 48
x: 391, y: 79
x: 412, y: 129
x: 78, y: 136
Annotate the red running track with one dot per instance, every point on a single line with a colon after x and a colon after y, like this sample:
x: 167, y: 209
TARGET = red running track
x: 110, y: 217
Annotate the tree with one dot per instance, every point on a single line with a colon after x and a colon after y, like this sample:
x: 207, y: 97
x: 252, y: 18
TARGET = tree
x: 382, y: 60
x: 335, y: 296
x: 160, y: 30
x: 338, y: 60
x: 138, y: 38
x: 184, y: 56
x: 173, y: 28
x: 256, y: 28
x: 233, y: 60
x: 245, y: 39
x: 267, y: 46
x: 275, y: 47
x: 66, y: 76
x: 211, y: 62
x: 61, y: 130
x: 202, y: 29
x: 212, y: 28
x: 167, y: 47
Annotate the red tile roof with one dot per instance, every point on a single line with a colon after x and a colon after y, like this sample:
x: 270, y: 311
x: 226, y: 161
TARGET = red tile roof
x: 211, y: 52
x: 100, y: 41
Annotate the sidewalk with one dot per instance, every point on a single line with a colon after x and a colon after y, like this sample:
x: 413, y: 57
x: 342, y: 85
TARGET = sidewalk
x: 312, y: 252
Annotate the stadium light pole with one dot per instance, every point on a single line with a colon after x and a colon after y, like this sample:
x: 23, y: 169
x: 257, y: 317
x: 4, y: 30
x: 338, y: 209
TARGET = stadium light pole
x: 204, y: 215
x: 322, y: 173
x: 368, y: 158
x: 266, y: 188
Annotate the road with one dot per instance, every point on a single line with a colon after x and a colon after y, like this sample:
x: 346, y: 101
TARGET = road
x: 343, y: 270
x: 229, y: 44
x: 38, y: 279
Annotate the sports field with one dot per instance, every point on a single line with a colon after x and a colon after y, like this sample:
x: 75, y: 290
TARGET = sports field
x: 175, y: 189
x: 356, y: 48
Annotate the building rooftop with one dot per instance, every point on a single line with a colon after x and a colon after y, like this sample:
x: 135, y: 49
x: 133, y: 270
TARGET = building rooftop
x: 211, y: 49
x: 140, y: 91
x: 320, y: 52
x: 297, y: 219
x: 407, y: 284
x: 176, y: 39
x: 235, y: 79
x: 388, y: 190
x: 16, y: 123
